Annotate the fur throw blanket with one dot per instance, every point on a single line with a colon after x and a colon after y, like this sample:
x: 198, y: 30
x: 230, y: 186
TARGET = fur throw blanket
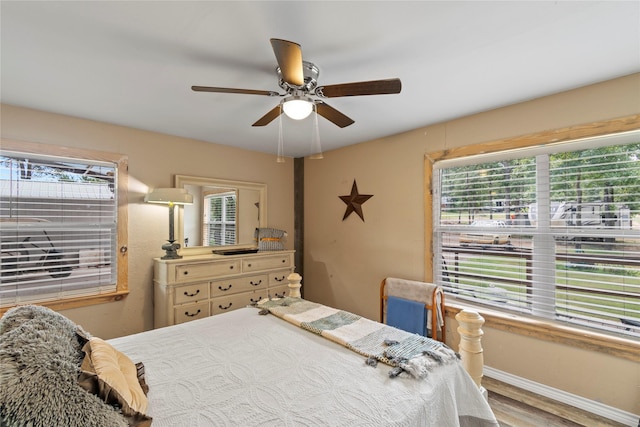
x: 40, y: 357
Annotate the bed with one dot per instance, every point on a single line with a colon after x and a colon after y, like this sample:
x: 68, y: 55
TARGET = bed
x: 242, y: 368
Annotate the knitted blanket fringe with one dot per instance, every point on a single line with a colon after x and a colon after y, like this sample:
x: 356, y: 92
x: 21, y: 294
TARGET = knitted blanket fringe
x: 403, y: 351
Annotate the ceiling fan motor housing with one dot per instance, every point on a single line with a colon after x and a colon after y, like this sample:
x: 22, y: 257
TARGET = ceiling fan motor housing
x: 310, y: 72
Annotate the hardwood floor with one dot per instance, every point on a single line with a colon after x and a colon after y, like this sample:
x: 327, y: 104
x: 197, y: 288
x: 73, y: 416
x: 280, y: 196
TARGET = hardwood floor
x: 515, y: 407
x: 511, y: 413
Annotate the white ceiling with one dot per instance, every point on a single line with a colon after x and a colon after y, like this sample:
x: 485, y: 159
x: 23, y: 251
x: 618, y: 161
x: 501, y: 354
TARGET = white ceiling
x: 132, y: 63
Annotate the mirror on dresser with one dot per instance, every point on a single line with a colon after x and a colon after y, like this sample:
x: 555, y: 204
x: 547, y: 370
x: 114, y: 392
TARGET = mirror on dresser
x: 247, y: 199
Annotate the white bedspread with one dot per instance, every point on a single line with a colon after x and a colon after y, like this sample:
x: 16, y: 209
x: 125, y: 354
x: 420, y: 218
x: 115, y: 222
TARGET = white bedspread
x: 243, y: 369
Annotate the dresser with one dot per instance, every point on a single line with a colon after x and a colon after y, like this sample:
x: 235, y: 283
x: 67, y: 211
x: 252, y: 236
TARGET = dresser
x: 205, y: 285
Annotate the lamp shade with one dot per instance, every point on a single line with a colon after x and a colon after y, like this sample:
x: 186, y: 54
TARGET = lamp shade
x: 297, y: 107
x: 167, y: 196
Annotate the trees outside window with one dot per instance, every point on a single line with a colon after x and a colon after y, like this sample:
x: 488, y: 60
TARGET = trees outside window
x: 567, y: 217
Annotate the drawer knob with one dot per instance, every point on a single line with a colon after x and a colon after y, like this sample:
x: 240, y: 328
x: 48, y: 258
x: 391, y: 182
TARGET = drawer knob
x: 284, y: 261
x: 186, y: 313
x: 225, y: 308
x: 225, y: 289
x: 255, y: 284
x: 249, y: 265
x: 185, y: 272
x: 193, y: 294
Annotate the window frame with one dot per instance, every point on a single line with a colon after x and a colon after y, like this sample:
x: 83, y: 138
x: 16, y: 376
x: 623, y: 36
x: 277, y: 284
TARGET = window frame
x: 514, y: 322
x: 121, y: 161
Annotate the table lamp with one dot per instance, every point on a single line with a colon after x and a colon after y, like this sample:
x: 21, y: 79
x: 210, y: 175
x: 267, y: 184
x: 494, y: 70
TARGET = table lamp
x: 171, y: 197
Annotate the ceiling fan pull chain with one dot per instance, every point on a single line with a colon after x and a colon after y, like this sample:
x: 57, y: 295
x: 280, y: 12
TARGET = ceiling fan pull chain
x: 316, y: 148
x: 280, y: 158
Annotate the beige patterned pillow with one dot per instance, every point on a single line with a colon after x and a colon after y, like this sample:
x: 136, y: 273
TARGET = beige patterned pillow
x: 112, y: 376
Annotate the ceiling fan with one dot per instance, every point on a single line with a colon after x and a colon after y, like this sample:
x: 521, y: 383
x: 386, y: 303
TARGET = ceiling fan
x: 299, y: 80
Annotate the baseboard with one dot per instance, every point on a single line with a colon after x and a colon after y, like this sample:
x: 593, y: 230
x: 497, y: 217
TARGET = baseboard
x: 597, y: 408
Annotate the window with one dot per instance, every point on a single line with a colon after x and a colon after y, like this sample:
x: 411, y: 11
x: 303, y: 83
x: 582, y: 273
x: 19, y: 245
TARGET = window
x: 552, y: 231
x: 219, y: 226
x: 59, y: 226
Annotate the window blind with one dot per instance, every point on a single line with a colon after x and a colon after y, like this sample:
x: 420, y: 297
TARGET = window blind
x: 550, y: 231
x: 220, y: 215
x: 58, y: 221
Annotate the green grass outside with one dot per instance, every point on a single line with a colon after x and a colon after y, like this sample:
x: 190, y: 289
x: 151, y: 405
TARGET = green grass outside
x: 496, y: 269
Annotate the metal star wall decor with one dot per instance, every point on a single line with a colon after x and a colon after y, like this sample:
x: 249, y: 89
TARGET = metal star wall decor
x: 354, y: 202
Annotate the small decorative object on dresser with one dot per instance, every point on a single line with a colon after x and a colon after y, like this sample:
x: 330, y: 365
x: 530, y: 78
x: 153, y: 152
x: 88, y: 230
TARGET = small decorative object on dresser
x: 200, y: 286
x: 270, y: 239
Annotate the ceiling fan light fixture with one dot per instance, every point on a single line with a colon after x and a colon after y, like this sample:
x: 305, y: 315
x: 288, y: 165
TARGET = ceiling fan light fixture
x: 297, y: 107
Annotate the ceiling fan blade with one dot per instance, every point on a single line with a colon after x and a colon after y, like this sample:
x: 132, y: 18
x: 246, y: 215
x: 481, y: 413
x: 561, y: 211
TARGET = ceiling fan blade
x: 333, y: 115
x: 373, y: 87
x: 231, y: 90
x: 289, y: 57
x: 268, y: 118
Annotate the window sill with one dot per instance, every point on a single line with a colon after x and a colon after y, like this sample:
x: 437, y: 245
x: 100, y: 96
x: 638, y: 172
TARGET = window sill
x: 76, y: 302
x: 548, y: 331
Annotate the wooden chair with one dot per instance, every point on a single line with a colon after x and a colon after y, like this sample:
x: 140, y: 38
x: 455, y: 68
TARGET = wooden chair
x: 431, y: 295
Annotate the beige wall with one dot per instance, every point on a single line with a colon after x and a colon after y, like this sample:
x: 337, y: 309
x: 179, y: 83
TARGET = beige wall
x: 154, y: 159
x: 345, y: 261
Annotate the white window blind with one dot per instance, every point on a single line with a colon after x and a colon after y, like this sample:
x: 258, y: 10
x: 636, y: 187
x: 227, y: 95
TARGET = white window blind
x: 219, y: 226
x: 58, y: 234
x: 551, y: 231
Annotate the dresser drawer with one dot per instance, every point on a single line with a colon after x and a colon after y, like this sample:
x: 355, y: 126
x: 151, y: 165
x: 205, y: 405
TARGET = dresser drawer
x: 233, y: 302
x: 279, y: 291
x: 191, y: 293
x: 279, y: 277
x: 239, y: 284
x: 189, y: 272
x: 266, y: 263
x: 187, y: 312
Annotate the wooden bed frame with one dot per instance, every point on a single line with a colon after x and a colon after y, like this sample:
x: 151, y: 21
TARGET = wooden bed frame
x: 470, y: 347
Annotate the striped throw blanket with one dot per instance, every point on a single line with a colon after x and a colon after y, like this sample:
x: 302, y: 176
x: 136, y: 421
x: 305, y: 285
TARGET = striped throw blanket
x: 404, y: 351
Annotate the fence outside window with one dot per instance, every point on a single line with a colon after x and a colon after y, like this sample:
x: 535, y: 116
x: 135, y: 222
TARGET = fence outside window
x: 552, y: 231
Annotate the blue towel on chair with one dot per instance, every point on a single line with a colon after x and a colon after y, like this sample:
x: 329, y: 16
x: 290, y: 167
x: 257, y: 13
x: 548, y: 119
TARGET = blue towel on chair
x: 410, y: 316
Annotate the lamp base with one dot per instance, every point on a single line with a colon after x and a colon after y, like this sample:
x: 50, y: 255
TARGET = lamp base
x: 171, y: 250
